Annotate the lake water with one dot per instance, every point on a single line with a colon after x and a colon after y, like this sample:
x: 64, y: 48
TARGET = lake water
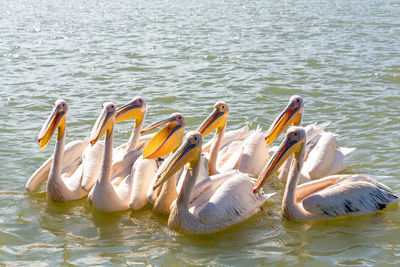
x: 342, y: 57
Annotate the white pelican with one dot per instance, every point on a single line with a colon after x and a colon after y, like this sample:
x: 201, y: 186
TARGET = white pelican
x: 105, y: 195
x: 230, y: 137
x: 124, y: 155
x: 327, y: 197
x: 72, y: 158
x: 61, y: 186
x: 167, y: 140
x: 245, y: 152
x: 323, y: 156
x: 79, y: 152
x: 231, y: 155
x: 215, y: 208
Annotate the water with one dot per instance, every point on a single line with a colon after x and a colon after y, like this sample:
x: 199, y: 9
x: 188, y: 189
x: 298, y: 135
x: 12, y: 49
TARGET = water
x: 341, y: 56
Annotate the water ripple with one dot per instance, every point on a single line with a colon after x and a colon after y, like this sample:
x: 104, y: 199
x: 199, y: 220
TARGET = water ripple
x: 342, y: 57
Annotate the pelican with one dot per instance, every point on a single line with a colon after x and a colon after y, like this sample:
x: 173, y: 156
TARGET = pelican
x: 232, y: 153
x: 71, y: 159
x: 124, y: 155
x: 61, y: 185
x: 216, y: 208
x: 105, y: 195
x: 323, y: 156
x: 246, y: 150
x: 79, y: 152
x: 167, y: 140
x: 230, y: 138
x: 328, y: 197
x: 216, y: 120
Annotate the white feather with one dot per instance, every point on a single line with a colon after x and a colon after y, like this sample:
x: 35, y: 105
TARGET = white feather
x: 72, y: 158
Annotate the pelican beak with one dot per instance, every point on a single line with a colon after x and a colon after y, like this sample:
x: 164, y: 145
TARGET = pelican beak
x: 103, y: 124
x: 290, y: 115
x: 167, y: 140
x: 216, y: 120
x: 287, y: 147
x: 187, y: 152
x: 54, y: 121
x: 131, y: 110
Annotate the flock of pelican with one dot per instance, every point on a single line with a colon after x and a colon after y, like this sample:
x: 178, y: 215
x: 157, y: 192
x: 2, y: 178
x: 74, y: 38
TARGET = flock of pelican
x: 204, y: 187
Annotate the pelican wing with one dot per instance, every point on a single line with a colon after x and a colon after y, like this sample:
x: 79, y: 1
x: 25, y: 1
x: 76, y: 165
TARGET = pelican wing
x: 338, y: 161
x: 39, y: 176
x: 229, y: 137
x: 255, y: 154
x: 313, y: 132
x: 204, y: 189
x: 143, y: 172
x: 71, y: 160
x: 359, y: 194
x: 232, y: 202
x: 323, y: 155
x: 92, y: 161
x: 320, y: 160
x: 73, y: 151
x: 230, y: 155
x: 122, y: 166
x: 313, y: 186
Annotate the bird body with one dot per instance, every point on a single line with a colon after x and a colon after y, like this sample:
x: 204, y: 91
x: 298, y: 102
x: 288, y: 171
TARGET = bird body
x: 327, y: 197
x: 323, y: 156
x: 72, y: 158
x: 124, y: 156
x: 64, y: 175
x: 221, y: 201
x: 167, y: 140
x: 107, y: 195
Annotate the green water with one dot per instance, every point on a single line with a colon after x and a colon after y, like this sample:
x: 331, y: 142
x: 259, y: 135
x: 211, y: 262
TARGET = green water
x: 343, y: 57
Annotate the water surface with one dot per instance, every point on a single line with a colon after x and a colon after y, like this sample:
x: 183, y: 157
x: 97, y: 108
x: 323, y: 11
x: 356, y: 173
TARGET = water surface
x: 341, y: 56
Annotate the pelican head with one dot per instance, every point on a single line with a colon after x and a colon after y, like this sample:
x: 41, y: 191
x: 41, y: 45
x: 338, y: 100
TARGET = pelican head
x: 136, y: 109
x: 292, y: 144
x: 56, y: 120
x: 168, y: 139
x: 216, y: 120
x: 188, y: 152
x: 104, y: 123
x: 292, y: 114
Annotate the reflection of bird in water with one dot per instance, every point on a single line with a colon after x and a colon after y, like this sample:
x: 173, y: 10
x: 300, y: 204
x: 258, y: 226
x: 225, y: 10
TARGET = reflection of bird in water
x: 109, y: 226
